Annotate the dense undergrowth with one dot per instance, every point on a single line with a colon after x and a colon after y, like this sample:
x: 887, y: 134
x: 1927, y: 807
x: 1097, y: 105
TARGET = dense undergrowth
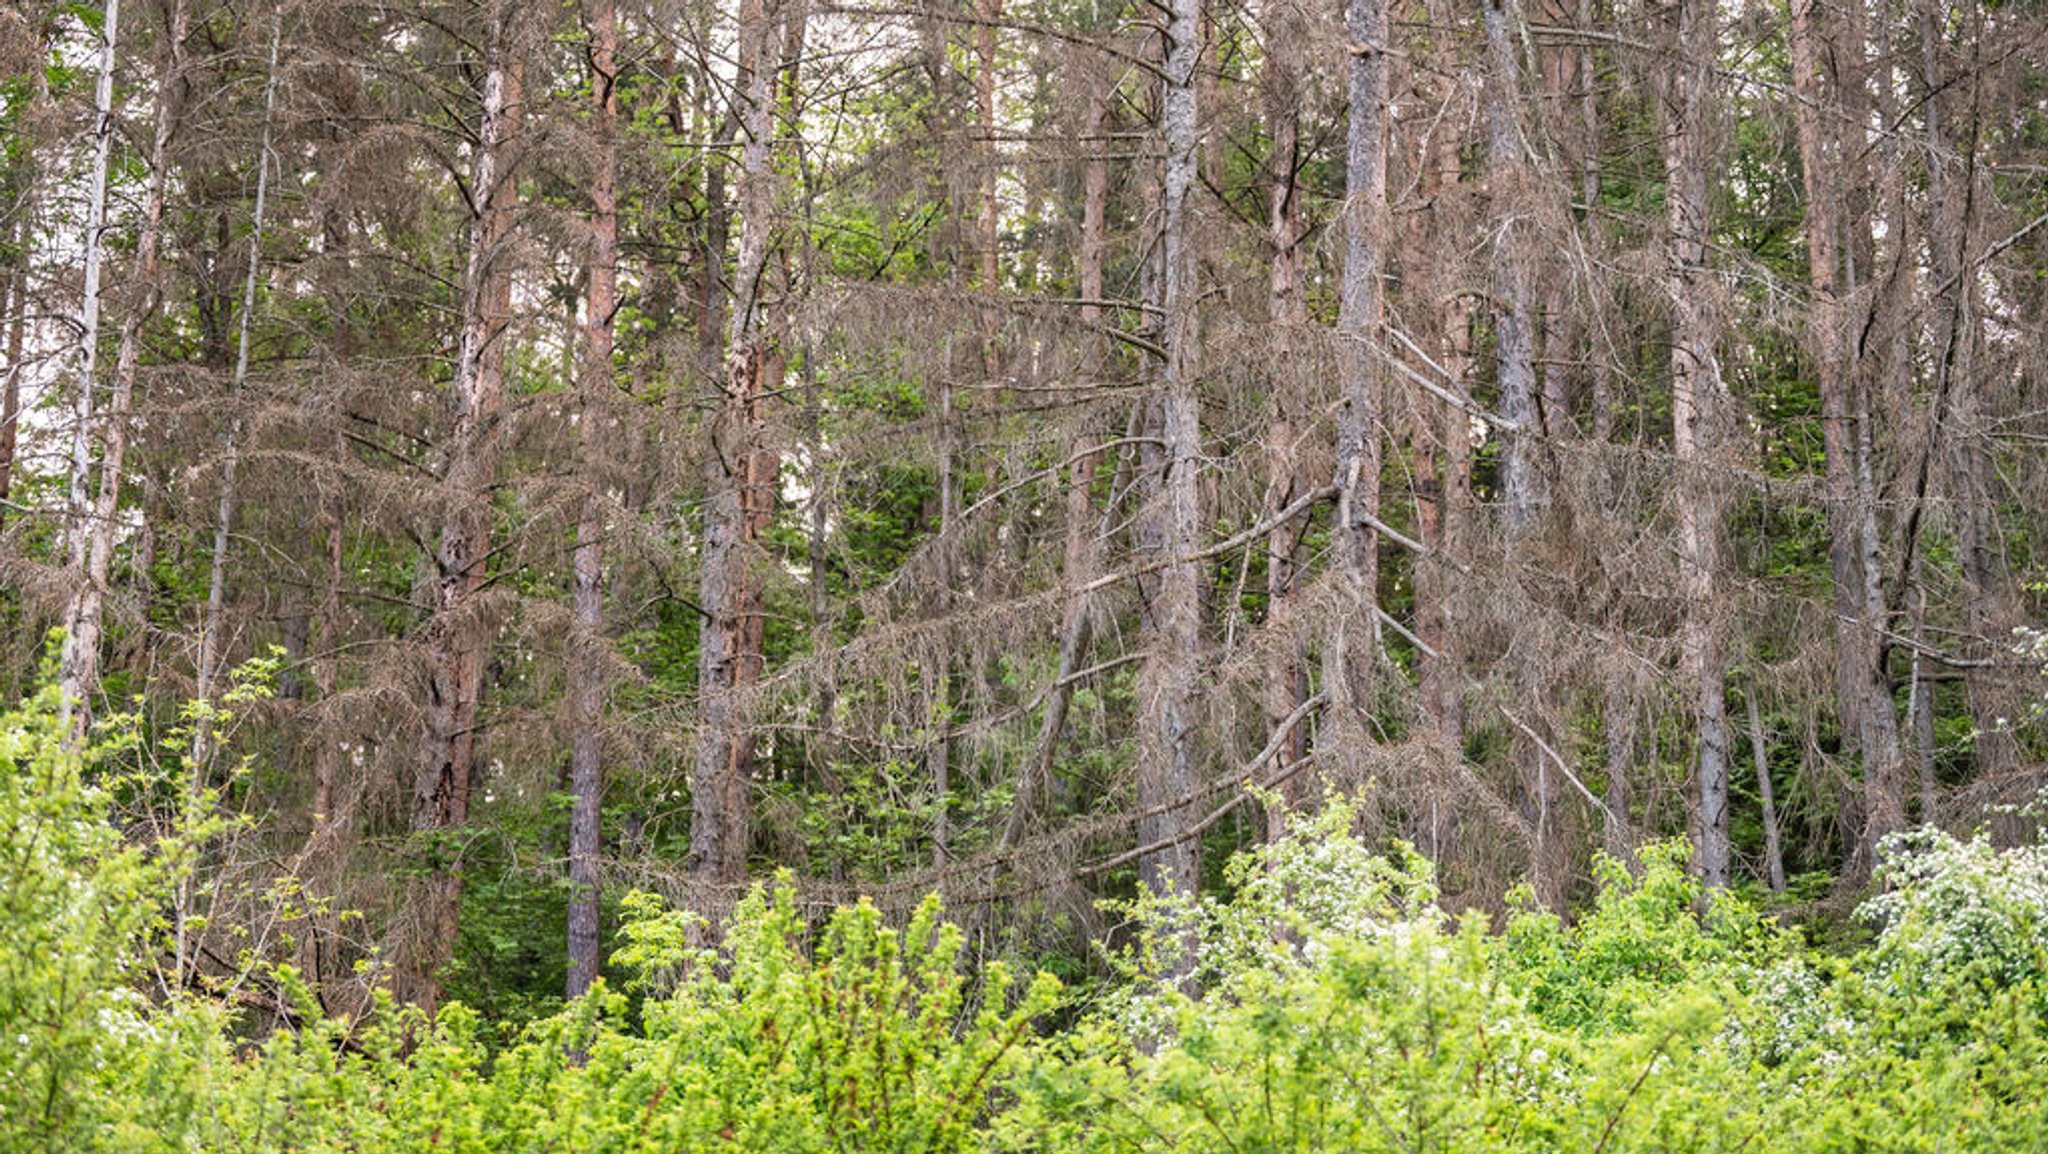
x: 1324, y: 1003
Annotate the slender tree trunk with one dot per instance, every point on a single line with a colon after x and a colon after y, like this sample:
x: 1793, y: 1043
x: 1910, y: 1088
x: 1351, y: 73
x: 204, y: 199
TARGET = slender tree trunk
x: 78, y: 668
x: 587, y: 651
x: 1952, y: 199
x: 1819, y: 152
x: 224, y: 515
x: 1774, y: 854
x: 16, y: 319
x: 1514, y: 326
x: 1286, y: 680
x: 1697, y: 396
x: 1349, y: 652
x: 455, y: 641
x: 1034, y: 785
x: 1172, y: 509
x: 739, y: 499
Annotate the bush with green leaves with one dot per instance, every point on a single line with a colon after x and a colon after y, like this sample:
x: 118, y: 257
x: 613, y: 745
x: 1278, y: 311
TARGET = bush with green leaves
x: 1322, y: 1002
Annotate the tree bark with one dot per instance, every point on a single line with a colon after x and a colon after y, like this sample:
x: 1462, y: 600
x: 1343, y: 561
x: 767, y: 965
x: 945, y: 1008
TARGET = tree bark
x: 208, y: 671
x: 456, y: 642
x: 78, y: 663
x: 1697, y: 398
x: 1774, y: 853
x: 1172, y: 514
x: 1350, y: 652
x: 586, y: 689
x: 1286, y: 679
x: 740, y: 486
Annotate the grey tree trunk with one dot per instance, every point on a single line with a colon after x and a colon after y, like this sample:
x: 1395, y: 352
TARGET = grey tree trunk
x: 1698, y: 396
x: 586, y: 689
x: 208, y: 673
x: 1172, y: 516
x: 1350, y: 650
x: 1286, y: 679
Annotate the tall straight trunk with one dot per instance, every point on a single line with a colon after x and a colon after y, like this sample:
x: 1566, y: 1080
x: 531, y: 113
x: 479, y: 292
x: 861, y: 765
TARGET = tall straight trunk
x: 1348, y: 654
x: 1952, y: 203
x: 15, y: 316
x: 1514, y: 326
x: 78, y: 668
x: 1286, y: 678
x: 1034, y: 784
x: 1774, y: 853
x: 455, y: 641
x: 587, y: 654
x: 739, y: 498
x: 1697, y: 395
x: 1172, y: 507
x: 1514, y: 309
x: 1814, y: 112
x: 224, y: 513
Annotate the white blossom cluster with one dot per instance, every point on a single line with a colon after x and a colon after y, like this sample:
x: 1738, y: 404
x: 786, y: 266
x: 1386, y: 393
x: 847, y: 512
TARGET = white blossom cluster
x: 1960, y: 909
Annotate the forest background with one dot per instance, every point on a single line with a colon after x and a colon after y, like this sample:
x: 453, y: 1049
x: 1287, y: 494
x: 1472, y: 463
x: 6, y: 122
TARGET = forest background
x: 957, y: 447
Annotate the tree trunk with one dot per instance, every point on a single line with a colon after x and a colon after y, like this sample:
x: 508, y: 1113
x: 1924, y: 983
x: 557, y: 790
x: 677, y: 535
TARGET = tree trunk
x: 1286, y: 679
x: 1774, y: 854
x: 1349, y: 653
x: 1697, y: 398
x: 1172, y: 508
x: 587, y: 649
x: 740, y: 476
x: 208, y: 671
x: 78, y: 664
x: 456, y: 641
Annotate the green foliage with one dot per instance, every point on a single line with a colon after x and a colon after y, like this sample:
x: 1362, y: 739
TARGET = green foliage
x: 1324, y: 1002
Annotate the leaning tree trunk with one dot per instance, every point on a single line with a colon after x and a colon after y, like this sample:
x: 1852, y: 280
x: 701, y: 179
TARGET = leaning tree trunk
x: 456, y: 640
x: 738, y: 501
x: 1172, y: 511
x: 586, y: 653
x: 1697, y: 394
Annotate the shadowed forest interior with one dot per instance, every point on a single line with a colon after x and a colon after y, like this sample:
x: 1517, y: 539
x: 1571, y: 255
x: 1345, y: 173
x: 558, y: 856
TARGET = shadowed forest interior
x: 480, y: 460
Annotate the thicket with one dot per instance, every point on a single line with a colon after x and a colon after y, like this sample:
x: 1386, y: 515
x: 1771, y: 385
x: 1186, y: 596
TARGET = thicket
x: 1319, y: 1000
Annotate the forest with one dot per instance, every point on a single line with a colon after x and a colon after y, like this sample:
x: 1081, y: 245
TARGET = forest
x: 1023, y: 575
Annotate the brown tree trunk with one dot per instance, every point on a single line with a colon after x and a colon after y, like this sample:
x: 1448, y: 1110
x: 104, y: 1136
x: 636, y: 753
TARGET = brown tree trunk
x: 1774, y: 854
x: 1697, y: 397
x: 740, y: 488
x: 456, y: 642
x: 587, y: 647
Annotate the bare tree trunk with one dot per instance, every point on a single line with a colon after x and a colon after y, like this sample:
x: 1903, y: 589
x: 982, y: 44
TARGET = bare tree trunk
x: 739, y: 499
x: 1774, y: 853
x: 1697, y: 398
x: 587, y: 654
x: 1514, y: 321
x: 1172, y: 509
x: 1952, y: 207
x: 16, y: 318
x: 1349, y: 654
x: 78, y: 668
x: 455, y: 641
x: 208, y: 672
x: 1819, y: 153
x: 1514, y: 326
x: 1035, y: 783
x: 1286, y: 681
